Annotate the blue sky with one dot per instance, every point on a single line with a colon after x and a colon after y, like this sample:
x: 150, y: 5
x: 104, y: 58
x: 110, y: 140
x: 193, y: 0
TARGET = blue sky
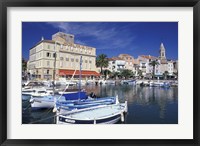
x: 110, y: 38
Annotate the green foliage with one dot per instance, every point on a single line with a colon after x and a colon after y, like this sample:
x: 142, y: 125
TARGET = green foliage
x: 106, y: 72
x: 126, y: 73
x: 24, y: 64
x: 115, y: 74
x: 102, y: 61
x: 165, y: 74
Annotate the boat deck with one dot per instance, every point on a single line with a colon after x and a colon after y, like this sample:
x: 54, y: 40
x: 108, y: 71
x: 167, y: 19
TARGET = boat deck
x: 97, y: 113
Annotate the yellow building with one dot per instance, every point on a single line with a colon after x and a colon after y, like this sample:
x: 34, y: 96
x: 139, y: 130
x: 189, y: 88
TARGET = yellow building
x: 68, y: 54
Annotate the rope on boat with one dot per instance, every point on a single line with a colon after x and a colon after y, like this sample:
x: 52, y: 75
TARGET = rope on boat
x: 46, y: 112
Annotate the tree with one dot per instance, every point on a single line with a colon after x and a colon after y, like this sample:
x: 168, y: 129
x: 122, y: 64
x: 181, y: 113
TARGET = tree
x: 115, y: 75
x: 24, y: 64
x: 106, y: 72
x: 102, y: 61
x: 126, y: 73
x: 165, y: 74
x: 154, y: 63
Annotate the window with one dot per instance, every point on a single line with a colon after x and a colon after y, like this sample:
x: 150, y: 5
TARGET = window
x: 47, y: 71
x: 67, y: 59
x: 76, y: 60
x: 61, y: 46
x: 61, y: 58
x: 72, y: 59
x: 48, y: 46
x: 48, y: 54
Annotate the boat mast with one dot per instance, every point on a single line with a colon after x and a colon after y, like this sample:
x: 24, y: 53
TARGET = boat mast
x: 54, y: 70
x: 80, y: 77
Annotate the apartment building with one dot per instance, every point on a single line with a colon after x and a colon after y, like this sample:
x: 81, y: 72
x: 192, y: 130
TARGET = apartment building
x: 116, y: 64
x: 64, y: 55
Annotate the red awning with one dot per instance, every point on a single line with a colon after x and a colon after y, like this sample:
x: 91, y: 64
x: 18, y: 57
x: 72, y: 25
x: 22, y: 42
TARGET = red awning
x: 83, y: 72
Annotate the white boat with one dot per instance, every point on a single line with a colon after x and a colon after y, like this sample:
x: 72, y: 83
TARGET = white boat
x: 159, y: 84
x: 36, y: 92
x: 128, y: 82
x: 42, y: 102
x: 104, y: 114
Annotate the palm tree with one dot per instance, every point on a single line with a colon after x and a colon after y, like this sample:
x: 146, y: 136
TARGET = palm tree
x: 154, y: 63
x: 165, y: 74
x: 126, y: 73
x: 102, y: 61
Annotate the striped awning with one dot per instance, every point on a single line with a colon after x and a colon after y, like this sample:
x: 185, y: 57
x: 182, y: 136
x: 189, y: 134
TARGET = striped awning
x: 83, y: 72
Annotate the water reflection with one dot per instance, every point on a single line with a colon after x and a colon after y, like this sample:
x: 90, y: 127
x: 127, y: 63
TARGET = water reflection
x: 146, y: 105
x: 153, y: 102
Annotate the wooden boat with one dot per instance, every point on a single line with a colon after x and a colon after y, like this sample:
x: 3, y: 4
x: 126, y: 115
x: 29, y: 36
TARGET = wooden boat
x: 104, y: 114
x: 79, y: 104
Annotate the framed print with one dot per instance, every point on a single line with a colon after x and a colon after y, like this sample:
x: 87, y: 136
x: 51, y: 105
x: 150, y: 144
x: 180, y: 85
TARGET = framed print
x: 87, y: 72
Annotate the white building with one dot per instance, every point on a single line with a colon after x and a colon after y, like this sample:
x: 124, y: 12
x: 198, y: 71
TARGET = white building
x: 116, y: 64
x: 163, y: 65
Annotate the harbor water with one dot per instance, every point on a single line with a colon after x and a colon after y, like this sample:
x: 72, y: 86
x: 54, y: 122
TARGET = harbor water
x: 146, y: 105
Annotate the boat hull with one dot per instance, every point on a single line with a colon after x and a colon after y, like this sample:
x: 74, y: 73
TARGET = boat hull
x: 105, y: 114
x: 109, y: 120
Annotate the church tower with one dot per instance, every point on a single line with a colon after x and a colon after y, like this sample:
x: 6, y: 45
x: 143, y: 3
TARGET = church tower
x: 162, y: 52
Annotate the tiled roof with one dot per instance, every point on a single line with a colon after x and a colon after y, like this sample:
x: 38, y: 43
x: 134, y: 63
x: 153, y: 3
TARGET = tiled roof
x: 114, y: 58
x: 149, y: 57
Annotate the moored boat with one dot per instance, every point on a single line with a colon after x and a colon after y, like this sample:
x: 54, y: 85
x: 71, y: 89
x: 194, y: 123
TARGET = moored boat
x: 104, y: 114
x: 79, y: 104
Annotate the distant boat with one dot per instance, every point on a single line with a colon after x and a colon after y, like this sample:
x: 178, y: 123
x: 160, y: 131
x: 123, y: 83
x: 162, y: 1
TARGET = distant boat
x: 159, y: 84
x: 104, y: 114
x: 128, y: 82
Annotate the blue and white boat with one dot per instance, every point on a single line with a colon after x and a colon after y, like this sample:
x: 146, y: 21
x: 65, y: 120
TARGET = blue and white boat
x: 159, y: 84
x: 80, y: 104
x: 104, y: 114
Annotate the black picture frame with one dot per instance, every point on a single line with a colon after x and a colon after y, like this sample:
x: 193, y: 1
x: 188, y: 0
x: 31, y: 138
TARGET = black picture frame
x: 4, y: 4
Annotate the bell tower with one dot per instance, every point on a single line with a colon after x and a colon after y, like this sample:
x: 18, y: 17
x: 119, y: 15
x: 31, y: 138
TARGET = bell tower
x: 162, y: 52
